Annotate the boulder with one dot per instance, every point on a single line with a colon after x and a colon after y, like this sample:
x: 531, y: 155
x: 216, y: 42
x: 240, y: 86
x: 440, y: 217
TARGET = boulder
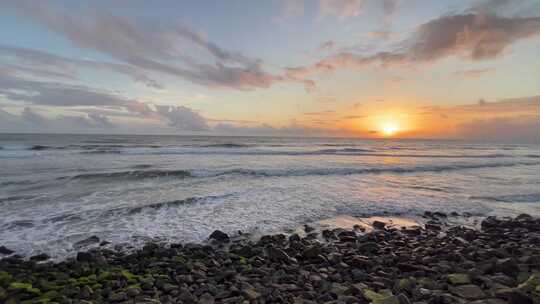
x: 379, y: 225
x: 468, y: 292
x: 219, y: 236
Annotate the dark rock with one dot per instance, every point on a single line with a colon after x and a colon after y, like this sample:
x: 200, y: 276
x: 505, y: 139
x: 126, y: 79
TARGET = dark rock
x: 507, y: 266
x: 86, y: 242
x: 276, y: 254
x: 39, y: 257
x: 433, y: 226
x: 85, y: 257
x: 378, y: 225
x: 220, y: 236
x: 118, y: 297
x: 308, y: 228
x: 468, y: 292
x: 6, y: 251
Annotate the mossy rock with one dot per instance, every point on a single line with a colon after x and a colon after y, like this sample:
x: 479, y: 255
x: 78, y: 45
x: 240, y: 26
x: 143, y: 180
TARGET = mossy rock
x: 49, y: 295
x: 3, y: 294
x: 405, y: 284
x: 128, y: 275
x: 531, y: 284
x: 427, y: 283
x: 459, y: 279
x: 5, y: 278
x: 382, y: 297
x: 104, y: 276
x: 23, y: 287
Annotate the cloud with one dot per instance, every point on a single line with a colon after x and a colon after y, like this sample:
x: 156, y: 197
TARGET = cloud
x: 156, y: 48
x: 56, y: 94
x: 320, y: 113
x: 385, y: 35
x: 472, y: 36
x: 473, y: 73
x: 71, y: 97
x: 389, y: 9
x: 182, y: 118
x: 340, y: 8
x: 46, y: 65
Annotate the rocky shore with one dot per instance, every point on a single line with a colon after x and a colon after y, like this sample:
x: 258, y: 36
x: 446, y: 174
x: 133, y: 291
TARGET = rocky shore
x: 436, y: 263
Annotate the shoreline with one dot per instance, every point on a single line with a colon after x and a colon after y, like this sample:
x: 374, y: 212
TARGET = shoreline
x: 434, y: 258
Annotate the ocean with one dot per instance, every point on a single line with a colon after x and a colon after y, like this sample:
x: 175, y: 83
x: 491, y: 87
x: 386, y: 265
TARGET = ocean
x: 56, y: 190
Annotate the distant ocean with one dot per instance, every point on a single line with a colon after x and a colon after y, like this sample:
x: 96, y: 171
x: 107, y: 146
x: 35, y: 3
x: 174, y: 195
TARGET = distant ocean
x: 56, y: 190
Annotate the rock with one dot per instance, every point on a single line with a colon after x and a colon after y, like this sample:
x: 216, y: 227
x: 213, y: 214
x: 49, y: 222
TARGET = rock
x: 308, y: 228
x: 39, y: 257
x: 118, y: 296
x: 459, y: 278
x: 379, y: 225
x: 5, y: 251
x: 359, y: 261
x: 432, y: 226
x: 403, y: 299
x: 187, y: 297
x: 380, y: 298
x: 404, y: 284
x: 312, y: 252
x: 513, y: 296
x: 523, y: 216
x: 531, y: 284
x: 507, y: 266
x: 368, y: 247
x: 468, y: 292
x: 133, y: 292
x: 489, y: 301
x: 276, y: 254
x: 84, y: 257
x: 206, y: 298
x: 219, y: 236
x: 251, y: 294
x: 86, y: 242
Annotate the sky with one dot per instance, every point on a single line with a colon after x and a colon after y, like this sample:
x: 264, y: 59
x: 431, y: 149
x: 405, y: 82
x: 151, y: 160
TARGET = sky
x: 449, y: 69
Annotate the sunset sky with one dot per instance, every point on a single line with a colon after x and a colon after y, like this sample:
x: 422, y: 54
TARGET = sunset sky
x: 360, y: 68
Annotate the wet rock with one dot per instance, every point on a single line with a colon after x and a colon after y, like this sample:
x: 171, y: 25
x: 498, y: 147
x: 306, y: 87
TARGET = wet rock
x: 433, y: 226
x: 308, y: 228
x: 86, y: 242
x: 84, y: 257
x: 39, y: 257
x: 378, y: 225
x: 5, y: 251
x: 276, y: 254
x: 468, y: 292
x: 219, y: 236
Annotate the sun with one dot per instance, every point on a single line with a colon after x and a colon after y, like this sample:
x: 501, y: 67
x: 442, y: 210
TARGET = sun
x: 389, y: 128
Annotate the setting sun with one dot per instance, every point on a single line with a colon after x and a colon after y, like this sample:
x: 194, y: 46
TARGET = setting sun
x: 389, y: 129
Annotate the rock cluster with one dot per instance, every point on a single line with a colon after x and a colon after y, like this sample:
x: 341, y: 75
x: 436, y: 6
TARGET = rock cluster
x: 435, y: 265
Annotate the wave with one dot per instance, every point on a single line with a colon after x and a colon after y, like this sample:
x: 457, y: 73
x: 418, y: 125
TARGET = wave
x: 514, y: 198
x: 227, y: 145
x: 354, y: 171
x: 341, y: 152
x: 130, y: 175
x: 146, y: 174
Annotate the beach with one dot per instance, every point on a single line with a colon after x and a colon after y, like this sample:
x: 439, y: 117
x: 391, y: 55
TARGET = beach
x: 379, y: 260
